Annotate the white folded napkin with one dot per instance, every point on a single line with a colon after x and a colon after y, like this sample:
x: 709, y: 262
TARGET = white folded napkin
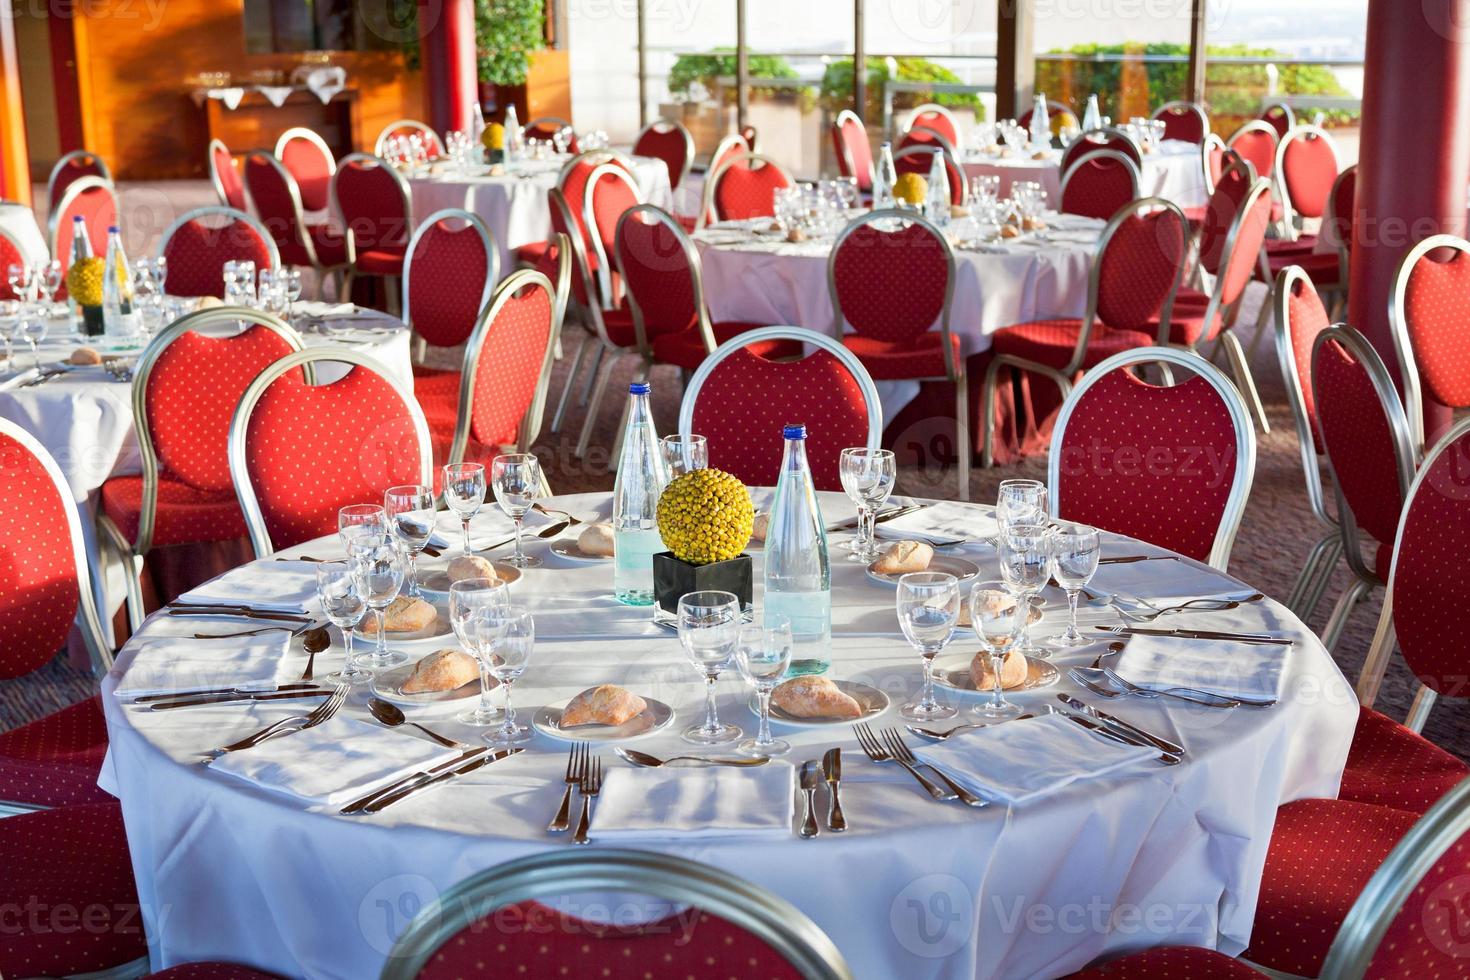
x: 703, y: 801
x: 276, y: 586
x: 1225, y: 667
x: 1164, y: 582
x: 182, y: 664
x: 941, y: 523
x: 315, y: 309
x: 488, y: 527
x: 335, y: 762
x: 1021, y: 760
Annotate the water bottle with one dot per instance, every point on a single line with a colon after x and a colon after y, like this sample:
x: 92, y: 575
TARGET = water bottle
x: 936, y: 205
x: 1092, y: 115
x: 1040, y: 122
x: 119, y: 318
x: 798, y: 581
x: 885, y: 178
x: 641, y: 479
x: 477, y: 121
x: 512, y: 151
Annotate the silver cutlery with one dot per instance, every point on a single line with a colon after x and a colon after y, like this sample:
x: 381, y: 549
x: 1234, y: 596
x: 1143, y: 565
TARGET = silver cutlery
x: 1183, y: 693
x: 883, y: 516
x: 1112, y: 735
x: 576, y: 772
x: 294, y: 630
x: 392, y: 716
x: 811, y: 778
x: 295, y: 723
x: 548, y: 511
x: 1152, y: 612
x: 443, y: 777
x: 1157, y: 741
x: 1088, y: 678
x: 172, y: 695
x: 832, y: 770
x: 1130, y: 559
x: 591, y: 786
x: 653, y: 762
x: 314, y: 641
x: 941, y: 736
x: 414, y: 777
x: 904, y: 754
x: 244, y: 697
x: 1198, y: 635
x: 874, y: 750
x: 552, y: 530
x: 236, y: 612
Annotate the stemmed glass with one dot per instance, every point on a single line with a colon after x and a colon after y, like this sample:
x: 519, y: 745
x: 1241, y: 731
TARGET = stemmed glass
x: 380, y: 567
x: 996, y: 616
x: 511, y: 634
x: 928, y: 607
x: 290, y: 277
x: 516, y: 478
x: 340, y: 590
x: 48, y: 275
x: 410, y: 512
x: 464, y: 493
x: 684, y: 454
x: 1020, y: 502
x: 9, y: 324
x: 1075, y: 550
x: 763, y: 653
x: 361, y: 524
x: 21, y: 279
x: 709, y: 628
x: 33, y: 328
x: 867, y: 477
x: 158, y: 271
x: 1025, y: 565
x: 469, y: 598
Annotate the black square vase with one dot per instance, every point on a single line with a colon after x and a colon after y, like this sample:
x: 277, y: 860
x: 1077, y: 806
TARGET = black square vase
x: 674, y: 578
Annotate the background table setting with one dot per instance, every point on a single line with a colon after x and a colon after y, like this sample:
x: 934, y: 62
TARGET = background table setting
x: 1055, y: 814
x: 1171, y: 170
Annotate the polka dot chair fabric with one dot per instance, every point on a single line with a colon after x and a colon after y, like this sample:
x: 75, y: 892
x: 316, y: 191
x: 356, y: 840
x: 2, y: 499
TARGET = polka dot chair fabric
x: 1437, y: 321
x: 1183, y: 122
x: 1308, y: 170
x: 1226, y: 200
x: 1257, y: 145
x: 669, y: 143
x: 1098, y: 139
x: 1054, y: 342
x: 746, y: 188
x: 1390, y: 765
x: 853, y: 152
x: 197, y: 252
x: 211, y: 971
x: 54, y: 761
x: 608, y: 196
x: 1098, y: 185
x: 449, y: 278
x: 574, y: 188
x: 1171, y: 963
x: 275, y: 197
x: 940, y: 122
x: 231, y: 186
x: 892, y: 284
x: 311, y: 168
x: 1306, y: 317
x: 921, y: 162
x: 373, y: 202
x: 94, y: 201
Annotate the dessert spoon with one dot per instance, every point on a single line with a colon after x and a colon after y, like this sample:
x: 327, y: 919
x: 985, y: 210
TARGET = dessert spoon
x: 392, y: 716
x: 653, y: 761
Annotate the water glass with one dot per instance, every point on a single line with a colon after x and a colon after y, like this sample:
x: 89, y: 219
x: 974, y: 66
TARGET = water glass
x: 510, y: 634
x: 867, y: 477
x: 928, y: 608
x: 762, y: 654
x: 9, y: 324
x: 49, y: 275
x: 290, y: 277
x: 33, y: 324
x: 709, y: 629
x: 516, y: 479
x: 361, y: 524
x: 339, y: 590
x: 380, y: 566
x: 464, y: 493
x: 467, y: 599
x: 1025, y: 565
x: 996, y: 616
x: 1075, y: 549
x: 21, y: 278
x: 684, y: 454
x: 1020, y: 502
x: 410, y: 513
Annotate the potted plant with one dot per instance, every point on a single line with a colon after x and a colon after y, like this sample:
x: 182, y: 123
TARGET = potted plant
x: 705, y: 518
x: 507, y: 34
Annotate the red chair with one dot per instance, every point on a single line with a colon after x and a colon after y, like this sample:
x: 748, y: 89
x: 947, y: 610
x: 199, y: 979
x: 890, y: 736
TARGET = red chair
x: 310, y: 162
x: 410, y: 127
x: 853, y: 151
x: 732, y: 146
x: 1059, y: 115
x: 745, y: 187
x: 1141, y: 259
x: 224, y: 174
x: 1113, y: 416
x: 1183, y: 121
x: 1256, y: 142
x: 1306, y: 168
x: 920, y: 160
x: 892, y: 278
x: 1212, y: 158
x: 1427, y: 316
x: 11, y: 253
x: 748, y: 133
x: 741, y: 400
x: 45, y: 589
x: 276, y: 199
x: 938, y: 118
x: 300, y: 451
x: 546, y: 128
x: 377, y: 211
x: 669, y: 141
x: 610, y: 193
x: 1370, y: 453
x: 1279, y: 116
x: 90, y: 198
x: 492, y: 924
x: 1105, y: 138
x: 71, y: 167
x: 197, y: 251
x: 1099, y: 183
x: 452, y: 267
x: 572, y: 182
x: 925, y: 138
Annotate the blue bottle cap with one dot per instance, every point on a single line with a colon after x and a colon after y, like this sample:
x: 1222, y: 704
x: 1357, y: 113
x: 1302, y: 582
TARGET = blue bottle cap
x: 77, y: 219
x: 794, y: 432
x: 113, y: 229
x: 638, y: 388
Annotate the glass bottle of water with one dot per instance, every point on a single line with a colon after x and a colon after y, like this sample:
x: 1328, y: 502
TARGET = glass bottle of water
x: 936, y: 205
x: 641, y: 479
x: 1091, y: 116
x: 512, y: 150
x: 81, y: 248
x: 1040, y: 122
x: 798, y: 579
x: 885, y: 178
x: 119, y: 318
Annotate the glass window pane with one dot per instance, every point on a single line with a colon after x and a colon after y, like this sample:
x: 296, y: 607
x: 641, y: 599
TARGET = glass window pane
x: 912, y: 46
x: 1134, y: 59
x: 604, y: 37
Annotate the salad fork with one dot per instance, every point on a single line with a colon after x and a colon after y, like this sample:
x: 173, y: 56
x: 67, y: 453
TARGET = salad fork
x: 1151, y: 612
x: 321, y: 713
x: 591, y: 786
x: 874, y: 750
x: 1116, y: 687
x: 576, y: 772
x: 903, y: 753
x: 1184, y: 693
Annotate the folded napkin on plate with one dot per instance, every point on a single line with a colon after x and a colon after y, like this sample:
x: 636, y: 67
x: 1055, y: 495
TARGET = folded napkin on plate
x: 1021, y: 760
x: 1226, y: 667
x: 489, y: 526
x: 311, y: 308
x: 180, y: 664
x: 703, y: 801
x: 276, y: 586
x: 941, y: 523
x: 335, y: 762
x: 1164, y: 582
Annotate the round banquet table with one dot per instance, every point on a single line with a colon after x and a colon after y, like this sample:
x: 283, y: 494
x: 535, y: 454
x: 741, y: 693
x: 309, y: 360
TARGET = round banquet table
x: 513, y: 206
x: 1173, y: 172
x: 1146, y: 855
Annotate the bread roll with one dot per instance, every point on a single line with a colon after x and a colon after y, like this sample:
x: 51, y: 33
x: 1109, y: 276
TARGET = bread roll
x: 1009, y: 231
x: 904, y: 556
x: 1013, y: 671
x: 596, y: 539
x: 207, y: 303
x: 403, y: 615
x: 760, y: 526
x: 85, y: 355
x: 814, y: 697
x: 470, y: 566
x: 606, y: 704
x: 442, y: 670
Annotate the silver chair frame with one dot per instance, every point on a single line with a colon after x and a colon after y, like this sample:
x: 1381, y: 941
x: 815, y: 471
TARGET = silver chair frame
x: 240, y: 423
x: 492, y: 263
x: 303, y: 237
x: 215, y: 180
x: 66, y: 158
x: 768, y: 917
x: 845, y: 116
x: 707, y: 213
x: 1111, y: 135
x: 222, y: 211
x: 404, y: 194
x: 542, y: 122
x: 604, y: 171
x: 414, y: 125
x: 311, y: 136
x: 1398, y: 324
x: 952, y: 167
x: 1187, y: 107
x: 1270, y: 104
x: 938, y: 140
x: 1101, y: 154
x: 1208, y: 144
x: 596, y: 157
x: 1245, y: 435
x: 73, y: 191
x: 1289, y: 214
x: 954, y: 368
x: 662, y: 126
x: 935, y: 107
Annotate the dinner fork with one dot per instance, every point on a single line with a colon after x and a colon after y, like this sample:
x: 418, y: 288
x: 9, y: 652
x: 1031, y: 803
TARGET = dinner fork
x: 1183, y: 693
x: 321, y: 713
x: 874, y: 750
x: 576, y: 772
x: 1205, y: 604
x: 591, y: 786
x: 902, y: 753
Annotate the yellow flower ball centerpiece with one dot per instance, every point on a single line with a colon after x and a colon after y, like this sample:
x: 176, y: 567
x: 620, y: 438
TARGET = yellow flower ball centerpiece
x: 705, y: 518
x: 493, y: 139
x: 84, y: 289
x: 911, y: 189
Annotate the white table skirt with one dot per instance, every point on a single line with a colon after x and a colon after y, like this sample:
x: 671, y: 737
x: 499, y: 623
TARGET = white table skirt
x: 1174, y: 172
x: 914, y: 889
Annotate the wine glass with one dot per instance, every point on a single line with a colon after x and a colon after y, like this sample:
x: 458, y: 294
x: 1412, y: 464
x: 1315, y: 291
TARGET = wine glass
x: 340, y: 591
x: 158, y: 269
x: 464, y: 493
x: 1075, y: 550
x: 1025, y: 565
x: 468, y: 598
x: 32, y: 328
x: 1020, y: 502
x: 291, y: 277
x: 867, y: 476
x: 48, y: 274
x: 709, y: 627
x: 361, y: 524
x: 21, y: 279
x: 762, y: 654
x: 380, y: 567
x: 511, y: 634
x: 684, y: 454
x: 996, y: 616
x: 410, y: 513
x: 928, y: 607
x: 516, y: 479
x: 9, y: 324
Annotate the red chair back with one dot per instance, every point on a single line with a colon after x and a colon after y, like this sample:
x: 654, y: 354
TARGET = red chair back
x: 10, y: 254
x: 1300, y: 318
x: 197, y: 251
x: 573, y: 186
x: 891, y: 284
x: 1279, y: 117
x: 1256, y: 143
x: 1141, y: 264
x: 225, y: 176
x: 510, y: 357
x: 920, y: 160
x: 1337, y: 227
x: 745, y: 187
x: 70, y: 168
x: 926, y: 138
x: 1101, y: 139
x: 1307, y: 161
x: 307, y: 159
x: 1099, y: 183
x: 373, y: 201
x: 1213, y: 151
x: 1053, y: 110
x: 547, y: 127
x: 748, y: 133
x: 1184, y: 121
x: 937, y: 119
x: 94, y: 200
x: 277, y: 202
x: 851, y: 148
x: 658, y: 262
x: 610, y: 192
x: 451, y: 268
x: 1430, y: 314
x: 670, y: 142
x: 564, y: 222
x: 1241, y: 247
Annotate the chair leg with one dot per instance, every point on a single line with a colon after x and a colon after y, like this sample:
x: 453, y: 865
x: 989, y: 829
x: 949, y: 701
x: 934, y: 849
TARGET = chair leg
x: 1375, y: 665
x: 962, y: 429
x: 1419, y: 710
x: 597, y: 359
x: 1344, y: 608
x: 987, y: 423
x: 1243, y: 377
x: 569, y: 384
x: 1320, y: 561
x: 590, y: 422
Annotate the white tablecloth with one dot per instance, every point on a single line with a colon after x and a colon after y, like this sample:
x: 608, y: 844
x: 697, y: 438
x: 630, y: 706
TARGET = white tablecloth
x: 19, y: 222
x: 1147, y: 855
x: 514, y: 207
x: 1173, y: 172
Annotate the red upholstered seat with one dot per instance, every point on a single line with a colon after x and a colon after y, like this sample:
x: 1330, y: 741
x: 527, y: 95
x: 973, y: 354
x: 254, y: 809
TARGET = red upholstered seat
x: 1390, y: 765
x: 54, y: 761
x: 437, y: 393
x: 197, y: 253
x: 73, y: 859
x: 1098, y: 186
x: 686, y: 348
x: 211, y: 971
x: 381, y: 261
x: 1437, y: 320
x: 330, y: 244
x: 1322, y: 268
x: 311, y: 167
x: 185, y: 513
x: 532, y: 253
x: 513, y: 357
x: 747, y: 189
x: 889, y: 360
x: 1170, y: 963
x: 1308, y: 171
x: 277, y: 202
x: 448, y: 278
x: 853, y: 151
x: 374, y: 203
x: 228, y: 183
x: 1052, y: 342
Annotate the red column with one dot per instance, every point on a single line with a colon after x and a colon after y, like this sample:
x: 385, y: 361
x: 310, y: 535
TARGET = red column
x: 1414, y: 162
x: 447, y: 53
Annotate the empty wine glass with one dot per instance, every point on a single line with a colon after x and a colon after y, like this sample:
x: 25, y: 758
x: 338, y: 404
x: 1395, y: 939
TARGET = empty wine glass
x: 32, y: 328
x: 21, y: 277
x: 1075, y: 550
x: 511, y: 633
x: 361, y: 523
x: 928, y: 607
x: 709, y: 627
x: 291, y: 277
x: 48, y: 274
x: 1025, y: 565
x: 464, y: 493
x: 9, y: 324
x: 410, y: 512
x: 467, y: 598
x: 516, y: 479
x: 996, y: 616
x: 339, y: 590
x: 380, y: 566
x: 762, y: 654
x: 1020, y: 502
x: 867, y: 477
x: 684, y: 454
x: 158, y: 269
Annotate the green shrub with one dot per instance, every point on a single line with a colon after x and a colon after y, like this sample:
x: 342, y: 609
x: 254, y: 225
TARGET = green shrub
x: 704, y: 69
x: 836, y: 91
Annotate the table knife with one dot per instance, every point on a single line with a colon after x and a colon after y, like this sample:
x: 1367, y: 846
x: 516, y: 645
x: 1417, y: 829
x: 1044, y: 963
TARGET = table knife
x: 1199, y: 635
x: 243, y: 697
x: 236, y: 613
x: 172, y: 695
x: 1130, y: 559
x: 1116, y: 735
x: 1160, y: 743
x: 415, y: 777
x: 832, y: 769
x: 442, y: 777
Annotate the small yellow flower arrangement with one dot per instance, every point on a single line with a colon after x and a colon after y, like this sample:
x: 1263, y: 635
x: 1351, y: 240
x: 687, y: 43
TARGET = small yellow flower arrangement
x: 493, y: 137
x: 705, y: 516
x: 84, y: 281
x: 911, y: 189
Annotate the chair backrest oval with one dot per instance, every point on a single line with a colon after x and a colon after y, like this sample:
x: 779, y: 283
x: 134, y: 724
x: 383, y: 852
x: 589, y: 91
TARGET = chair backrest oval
x: 448, y: 276
x: 669, y: 141
x: 310, y: 162
x: 1171, y: 465
x: 1102, y: 138
x: 564, y: 222
x: 410, y: 127
x: 1256, y: 142
x: 276, y: 200
x: 1212, y: 152
x: 374, y: 202
x: 609, y: 193
x: 1279, y: 116
x: 546, y: 127
x: 1306, y: 169
x: 1099, y: 183
x: 1141, y: 261
x: 72, y: 166
x: 95, y: 200
x: 1242, y: 244
x: 1231, y: 189
x: 12, y: 252
x: 201, y: 241
x: 1183, y: 121
x: 740, y: 401
x: 938, y: 118
x: 572, y: 182
x: 923, y: 136
x: 729, y: 147
x: 1429, y: 317
x: 851, y: 147
x: 891, y: 275
x: 1337, y: 223
x: 745, y: 187
x: 660, y: 269
x: 920, y: 160
x: 225, y: 176
x: 299, y: 452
